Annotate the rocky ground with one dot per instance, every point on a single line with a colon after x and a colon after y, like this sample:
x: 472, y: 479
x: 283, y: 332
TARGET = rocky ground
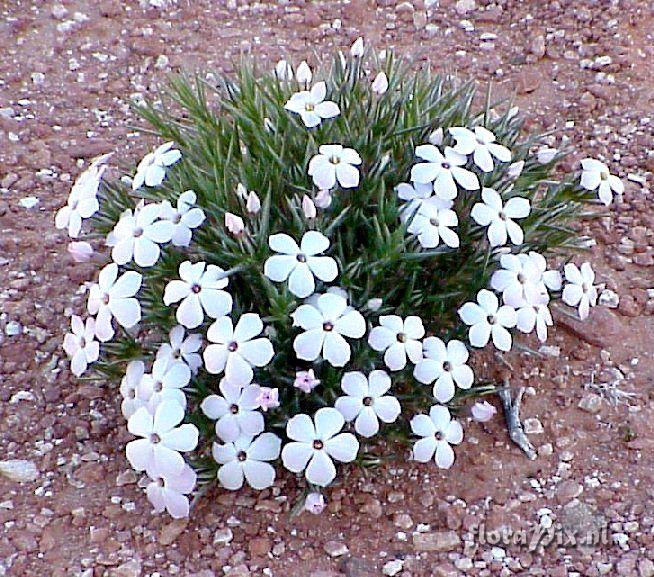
x: 583, y: 68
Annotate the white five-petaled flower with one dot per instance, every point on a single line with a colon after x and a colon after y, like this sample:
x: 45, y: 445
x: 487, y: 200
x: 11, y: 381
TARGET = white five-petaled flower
x: 380, y: 83
x: 487, y: 319
x: 152, y: 169
x: 399, y: 339
x: 165, y: 382
x: 137, y: 235
x: 445, y: 171
x: 366, y: 402
x: 246, y: 459
x: 114, y: 297
x: 169, y: 492
x: 235, y: 350
x: 536, y: 316
x: 498, y: 217
x: 325, y: 324
x: 200, y: 290
x: 415, y: 195
x: 235, y: 412
x: 182, y: 349
x: 129, y: 389
x: 156, y: 452
x: 335, y: 164
x: 82, y: 201
x: 524, y: 278
x: 299, y: 264
x: 438, y: 432
x: 312, y: 106
x: 481, y: 144
x: 595, y: 175
x: 315, y: 443
x: 184, y: 217
x: 80, y: 345
x: 432, y: 224
x: 446, y: 365
x: 579, y: 290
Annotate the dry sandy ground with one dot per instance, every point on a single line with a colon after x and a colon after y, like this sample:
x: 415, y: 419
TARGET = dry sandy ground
x: 582, y: 67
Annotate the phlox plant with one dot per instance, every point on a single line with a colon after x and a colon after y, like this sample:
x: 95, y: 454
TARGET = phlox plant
x: 307, y: 262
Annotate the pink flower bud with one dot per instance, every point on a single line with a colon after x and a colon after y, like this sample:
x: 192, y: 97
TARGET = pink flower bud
x: 253, y: 203
x: 306, y: 381
x: 268, y: 398
x: 80, y: 251
x: 308, y: 208
x: 323, y: 199
x: 234, y: 224
x: 483, y: 411
x: 314, y: 503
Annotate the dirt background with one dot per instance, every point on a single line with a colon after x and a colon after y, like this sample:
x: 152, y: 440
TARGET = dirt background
x: 583, y: 68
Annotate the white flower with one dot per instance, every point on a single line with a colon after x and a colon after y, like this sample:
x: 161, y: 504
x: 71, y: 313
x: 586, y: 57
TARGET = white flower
x: 152, y: 169
x: 253, y: 203
x: 156, y: 452
x: 335, y: 163
x: 165, y: 383
x: 184, y: 217
x: 380, y: 83
x: 432, y: 224
x: 283, y: 70
x: 236, y: 350
x: 481, y: 144
x: 523, y: 278
x: 538, y: 316
x: 234, y: 224
x: 546, y: 154
x: 445, y: 364
x: 200, y: 290
x: 498, y: 217
x: 168, y: 492
x: 308, y: 208
x: 80, y: 345
x: 415, y: 195
x: 399, y: 338
x: 235, y: 412
x: 312, y: 106
x: 325, y: 324
x: 595, y: 175
x: 137, y: 235
x: 579, y: 290
x: 180, y: 348
x: 129, y: 389
x: 357, y: 48
x: 444, y: 171
x: 303, y: 73
x: 438, y: 432
x: 82, y: 201
x: 299, y: 264
x: 483, y: 411
x: 245, y: 458
x: 366, y: 402
x: 113, y: 297
x: 488, y: 319
x: 315, y: 443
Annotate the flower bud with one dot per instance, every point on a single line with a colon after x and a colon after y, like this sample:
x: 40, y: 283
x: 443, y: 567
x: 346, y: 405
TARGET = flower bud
x: 380, y: 83
x: 314, y: 503
x: 308, y: 207
x: 253, y: 204
x: 356, y: 49
x: 323, y: 199
x: 303, y: 73
x: 483, y: 411
x: 80, y: 251
x: 283, y: 70
x: 234, y: 224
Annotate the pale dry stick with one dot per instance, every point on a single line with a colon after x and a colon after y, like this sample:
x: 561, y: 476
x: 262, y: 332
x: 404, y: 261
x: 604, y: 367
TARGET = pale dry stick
x: 512, y: 416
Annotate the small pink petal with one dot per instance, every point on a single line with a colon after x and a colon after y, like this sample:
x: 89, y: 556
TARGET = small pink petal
x: 80, y: 251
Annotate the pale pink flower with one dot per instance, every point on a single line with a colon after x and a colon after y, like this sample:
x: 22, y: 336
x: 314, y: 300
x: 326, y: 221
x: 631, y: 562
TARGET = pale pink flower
x: 234, y: 224
x: 80, y: 251
x: 483, y: 411
x: 306, y: 380
x: 268, y: 398
x: 314, y: 503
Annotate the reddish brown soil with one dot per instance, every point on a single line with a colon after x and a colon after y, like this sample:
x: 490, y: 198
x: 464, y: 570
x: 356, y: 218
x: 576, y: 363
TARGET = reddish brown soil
x: 582, y: 67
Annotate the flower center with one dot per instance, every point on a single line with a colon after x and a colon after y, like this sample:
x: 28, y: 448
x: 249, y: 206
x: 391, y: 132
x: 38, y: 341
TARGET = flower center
x: 138, y: 231
x: 157, y: 387
x: 159, y: 482
x: 74, y: 204
x: 446, y: 165
x: 318, y: 445
x: 480, y: 141
x: 196, y: 288
x: 105, y: 298
x: 301, y: 257
x: 501, y: 215
x: 521, y: 278
x: 334, y: 159
x: 82, y: 342
x: 309, y: 106
x: 131, y: 394
x: 585, y: 287
x: 241, y: 456
x: 328, y: 326
x: 402, y: 338
x: 232, y: 347
x: 433, y: 221
x: 177, y: 218
x: 491, y: 319
x: 447, y: 366
x: 367, y: 401
x: 604, y: 175
x: 176, y: 354
x: 154, y: 438
x: 439, y: 436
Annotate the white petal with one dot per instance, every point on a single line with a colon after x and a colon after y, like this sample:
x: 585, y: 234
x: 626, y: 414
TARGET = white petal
x: 380, y: 338
x: 216, y: 303
x: 423, y: 450
x: 479, y: 334
x: 387, y: 408
x: 300, y: 428
x: 321, y: 470
x: 352, y: 325
x: 258, y: 475
x: 355, y: 384
x: 348, y: 175
x: 257, y: 352
x: 328, y: 422
x: 295, y: 456
x: 189, y: 312
x: 265, y: 447
x: 395, y: 356
x: 349, y: 407
x: 422, y: 426
x: 231, y: 475
x: 215, y: 358
x: 336, y: 350
x: 175, y: 291
x: 301, y: 282
x: 444, y: 455
x: 324, y: 267
x: 501, y: 338
x: 126, y: 311
x: 278, y: 267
